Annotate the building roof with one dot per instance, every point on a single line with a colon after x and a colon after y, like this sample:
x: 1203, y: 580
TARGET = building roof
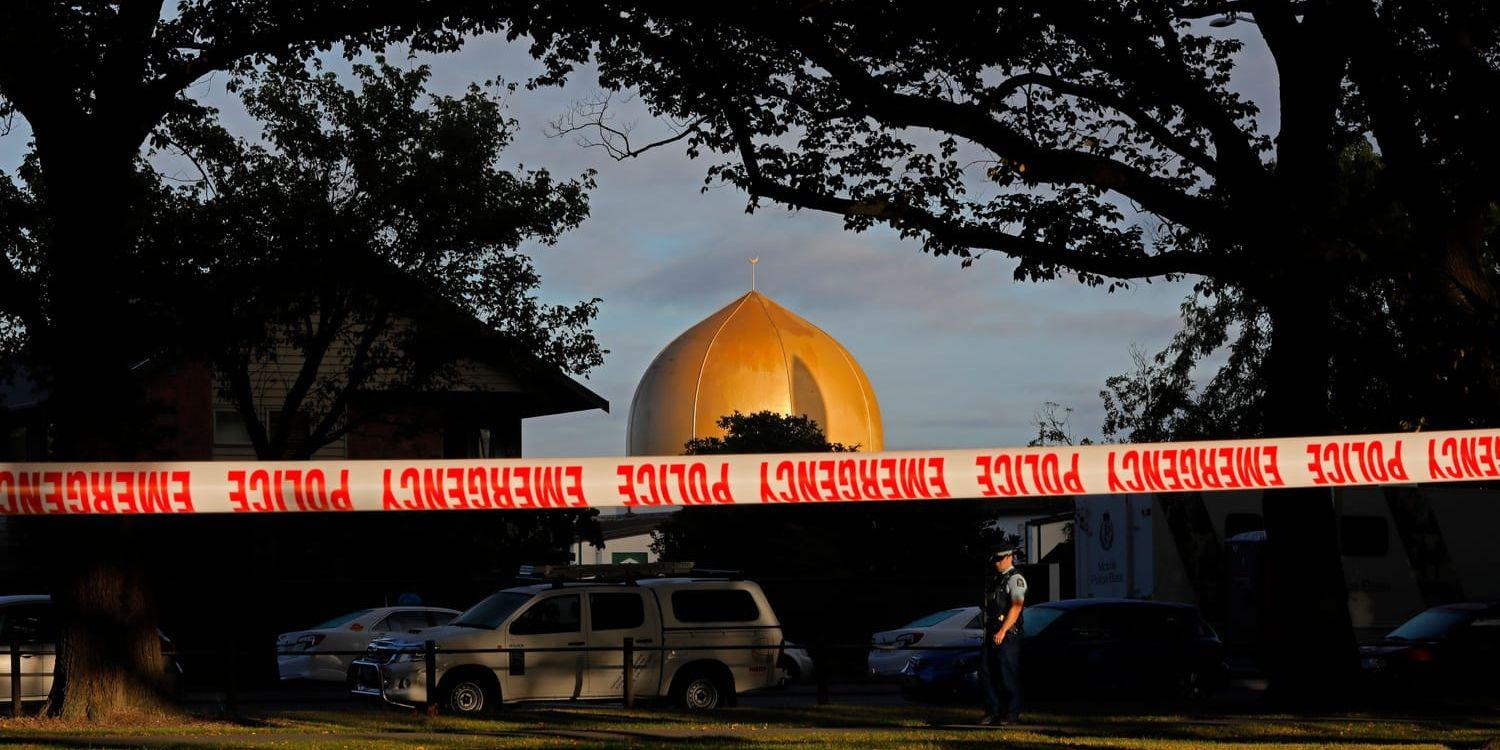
x: 549, y: 390
x: 624, y: 527
x: 552, y: 391
x: 752, y: 355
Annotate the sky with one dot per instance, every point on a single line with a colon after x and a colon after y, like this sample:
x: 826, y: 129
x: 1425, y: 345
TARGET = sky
x: 958, y: 357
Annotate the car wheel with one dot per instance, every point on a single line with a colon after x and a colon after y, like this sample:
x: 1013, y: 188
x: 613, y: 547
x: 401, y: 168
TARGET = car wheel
x: 467, y: 696
x: 701, y: 691
x: 790, y: 672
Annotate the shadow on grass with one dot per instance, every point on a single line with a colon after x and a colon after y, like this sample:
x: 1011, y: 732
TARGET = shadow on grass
x: 1054, y: 720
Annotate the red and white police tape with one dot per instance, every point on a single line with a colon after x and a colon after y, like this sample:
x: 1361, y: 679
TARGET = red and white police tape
x: 751, y: 479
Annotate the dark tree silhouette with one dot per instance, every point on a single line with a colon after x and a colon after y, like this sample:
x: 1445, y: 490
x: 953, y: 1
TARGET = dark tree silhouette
x: 1110, y: 146
x: 372, y: 238
x: 833, y: 571
x: 765, y: 432
x: 93, y: 81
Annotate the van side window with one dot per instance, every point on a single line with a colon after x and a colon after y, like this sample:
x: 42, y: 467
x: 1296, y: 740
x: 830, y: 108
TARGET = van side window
x: 616, y: 611
x: 714, y: 605
x: 558, y: 614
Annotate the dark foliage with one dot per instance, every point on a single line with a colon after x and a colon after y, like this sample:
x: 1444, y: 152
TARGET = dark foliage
x: 370, y: 237
x: 1104, y: 141
x: 834, y: 571
x: 765, y: 432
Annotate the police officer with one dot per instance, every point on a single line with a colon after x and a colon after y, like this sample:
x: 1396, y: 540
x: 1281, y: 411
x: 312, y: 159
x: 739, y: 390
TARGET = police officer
x: 1000, y: 667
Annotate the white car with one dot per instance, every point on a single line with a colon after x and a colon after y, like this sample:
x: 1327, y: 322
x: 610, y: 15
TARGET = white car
x: 891, y: 649
x: 30, y: 620
x: 305, y: 654
x: 795, y: 663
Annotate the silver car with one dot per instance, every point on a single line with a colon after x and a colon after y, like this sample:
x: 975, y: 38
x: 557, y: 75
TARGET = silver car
x: 892, y: 649
x: 29, y: 620
x: 325, y: 651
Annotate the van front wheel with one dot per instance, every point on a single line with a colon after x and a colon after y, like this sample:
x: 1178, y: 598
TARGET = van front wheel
x: 701, y: 691
x: 468, y: 694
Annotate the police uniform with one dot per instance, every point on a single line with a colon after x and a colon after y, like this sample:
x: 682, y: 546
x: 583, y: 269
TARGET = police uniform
x: 1000, y: 666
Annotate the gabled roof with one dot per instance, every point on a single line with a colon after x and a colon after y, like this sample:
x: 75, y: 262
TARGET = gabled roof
x: 548, y: 388
x: 559, y: 392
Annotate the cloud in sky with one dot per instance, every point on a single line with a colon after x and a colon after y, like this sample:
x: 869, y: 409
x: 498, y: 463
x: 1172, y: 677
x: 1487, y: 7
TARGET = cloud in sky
x: 959, y: 357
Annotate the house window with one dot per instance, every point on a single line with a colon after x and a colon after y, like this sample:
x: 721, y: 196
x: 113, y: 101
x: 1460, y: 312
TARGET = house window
x: 229, y: 428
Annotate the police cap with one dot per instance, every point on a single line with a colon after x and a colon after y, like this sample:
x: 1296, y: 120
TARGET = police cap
x: 1000, y: 552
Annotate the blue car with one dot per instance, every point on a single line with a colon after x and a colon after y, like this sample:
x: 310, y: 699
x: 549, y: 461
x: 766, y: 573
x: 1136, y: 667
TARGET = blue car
x: 1081, y: 644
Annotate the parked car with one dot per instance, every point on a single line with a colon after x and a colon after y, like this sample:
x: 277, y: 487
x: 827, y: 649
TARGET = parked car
x: 32, y: 621
x: 703, y: 642
x: 1454, y: 646
x: 892, y: 649
x: 1088, y: 643
x: 795, y: 664
x: 312, y: 654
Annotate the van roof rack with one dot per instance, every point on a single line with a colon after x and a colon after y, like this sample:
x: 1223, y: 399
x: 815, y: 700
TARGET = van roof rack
x: 627, y: 572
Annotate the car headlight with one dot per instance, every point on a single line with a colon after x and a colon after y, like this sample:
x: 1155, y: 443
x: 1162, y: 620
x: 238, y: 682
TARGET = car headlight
x: 416, y: 657
x: 308, y: 641
x: 907, y: 640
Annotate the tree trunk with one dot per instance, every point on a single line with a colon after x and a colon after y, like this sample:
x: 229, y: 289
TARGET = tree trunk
x: 1313, y: 651
x: 109, y: 657
x: 95, y: 336
x: 109, y: 660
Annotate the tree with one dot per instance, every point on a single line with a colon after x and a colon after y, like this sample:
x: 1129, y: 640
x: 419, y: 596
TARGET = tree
x: 1053, y: 428
x: 93, y: 81
x: 820, y: 559
x: 1114, y: 150
x: 372, y: 236
x: 1392, y: 364
x: 765, y: 432
x: 697, y: 536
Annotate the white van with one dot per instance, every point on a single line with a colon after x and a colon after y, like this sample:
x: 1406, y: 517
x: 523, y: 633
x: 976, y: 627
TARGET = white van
x: 701, y: 642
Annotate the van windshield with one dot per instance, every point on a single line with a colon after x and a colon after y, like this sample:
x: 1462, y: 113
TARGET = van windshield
x: 489, y: 613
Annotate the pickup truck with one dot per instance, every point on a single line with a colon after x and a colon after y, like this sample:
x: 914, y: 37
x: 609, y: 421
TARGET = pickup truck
x: 699, y: 643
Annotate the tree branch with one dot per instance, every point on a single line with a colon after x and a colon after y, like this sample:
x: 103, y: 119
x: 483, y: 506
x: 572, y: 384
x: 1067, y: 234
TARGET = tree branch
x: 1163, y: 135
x: 334, y: 422
x: 974, y: 123
x: 968, y: 235
x: 1140, y: 65
x: 615, y: 140
x: 237, y: 370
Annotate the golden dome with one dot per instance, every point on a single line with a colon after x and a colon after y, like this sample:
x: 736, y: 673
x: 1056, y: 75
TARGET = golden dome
x: 752, y: 355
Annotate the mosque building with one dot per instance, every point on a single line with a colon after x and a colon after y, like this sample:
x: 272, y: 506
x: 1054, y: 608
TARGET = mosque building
x: 751, y: 355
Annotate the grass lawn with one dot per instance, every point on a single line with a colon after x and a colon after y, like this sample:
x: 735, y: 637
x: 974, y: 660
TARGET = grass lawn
x: 839, y: 726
